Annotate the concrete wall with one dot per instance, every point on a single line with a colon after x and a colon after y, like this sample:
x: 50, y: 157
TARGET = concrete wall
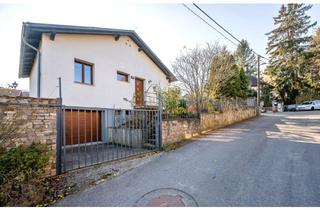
x: 179, y: 129
x: 37, y: 123
x: 108, y: 57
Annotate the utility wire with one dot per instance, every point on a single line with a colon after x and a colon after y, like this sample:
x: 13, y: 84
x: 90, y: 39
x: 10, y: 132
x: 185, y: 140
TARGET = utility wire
x: 225, y: 30
x: 216, y: 22
x: 52, y: 91
x: 208, y: 24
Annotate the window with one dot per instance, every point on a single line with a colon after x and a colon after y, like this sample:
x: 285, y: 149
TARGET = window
x: 83, y: 72
x: 122, y: 76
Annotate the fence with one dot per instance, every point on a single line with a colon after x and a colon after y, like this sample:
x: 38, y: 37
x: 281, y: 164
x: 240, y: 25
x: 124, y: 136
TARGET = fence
x: 94, y: 135
x: 210, y: 106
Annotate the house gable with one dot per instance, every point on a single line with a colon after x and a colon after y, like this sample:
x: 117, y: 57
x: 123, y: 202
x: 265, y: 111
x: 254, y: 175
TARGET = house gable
x: 107, y: 57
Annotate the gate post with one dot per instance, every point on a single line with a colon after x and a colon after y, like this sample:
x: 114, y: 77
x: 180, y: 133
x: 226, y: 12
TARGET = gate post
x: 59, y: 132
x: 159, y: 122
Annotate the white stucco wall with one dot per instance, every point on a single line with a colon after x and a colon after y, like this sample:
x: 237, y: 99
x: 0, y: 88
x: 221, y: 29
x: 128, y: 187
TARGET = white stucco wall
x: 33, y: 79
x: 108, y: 57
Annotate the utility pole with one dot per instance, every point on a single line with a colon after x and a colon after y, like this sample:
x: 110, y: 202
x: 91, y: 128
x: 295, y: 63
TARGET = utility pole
x: 59, y: 132
x: 60, y: 94
x: 258, y: 85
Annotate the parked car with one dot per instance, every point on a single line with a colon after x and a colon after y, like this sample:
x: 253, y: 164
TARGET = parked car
x: 290, y: 108
x: 317, y: 104
x: 309, y: 105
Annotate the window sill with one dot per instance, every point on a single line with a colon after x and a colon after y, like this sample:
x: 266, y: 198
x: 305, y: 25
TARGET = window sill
x: 123, y: 81
x: 80, y: 83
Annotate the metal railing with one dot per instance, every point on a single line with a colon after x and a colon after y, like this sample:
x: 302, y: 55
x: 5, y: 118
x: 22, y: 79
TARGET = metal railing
x: 94, y: 135
x: 150, y: 100
x: 210, y: 106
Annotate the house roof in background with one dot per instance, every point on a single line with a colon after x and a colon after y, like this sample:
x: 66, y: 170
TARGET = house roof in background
x: 253, y: 81
x: 32, y: 33
x: 10, y: 92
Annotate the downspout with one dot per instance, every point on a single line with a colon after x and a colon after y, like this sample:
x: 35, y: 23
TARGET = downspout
x: 39, y: 66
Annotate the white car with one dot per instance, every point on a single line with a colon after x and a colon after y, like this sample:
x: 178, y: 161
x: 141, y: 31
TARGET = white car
x: 309, y: 105
x: 317, y: 104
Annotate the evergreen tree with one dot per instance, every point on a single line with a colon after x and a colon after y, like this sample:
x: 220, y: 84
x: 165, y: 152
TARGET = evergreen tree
x: 266, y: 95
x: 232, y: 87
x: 244, y: 83
x: 313, y: 73
x: 237, y: 85
x: 246, y: 58
x: 287, y: 45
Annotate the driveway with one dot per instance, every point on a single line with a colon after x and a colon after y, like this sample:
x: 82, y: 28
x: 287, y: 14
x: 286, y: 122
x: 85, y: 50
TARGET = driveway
x: 273, y: 160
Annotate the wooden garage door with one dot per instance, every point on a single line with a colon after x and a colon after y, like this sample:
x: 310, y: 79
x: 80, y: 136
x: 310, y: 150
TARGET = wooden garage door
x: 82, y: 127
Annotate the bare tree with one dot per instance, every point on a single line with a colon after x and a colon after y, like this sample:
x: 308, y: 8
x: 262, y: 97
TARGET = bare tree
x: 221, y: 70
x: 192, y: 69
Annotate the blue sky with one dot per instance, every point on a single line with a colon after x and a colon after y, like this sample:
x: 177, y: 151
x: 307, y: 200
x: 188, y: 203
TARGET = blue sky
x: 166, y: 28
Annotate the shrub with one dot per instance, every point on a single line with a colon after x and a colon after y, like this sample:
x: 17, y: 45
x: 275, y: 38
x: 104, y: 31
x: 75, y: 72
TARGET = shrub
x: 21, y: 170
x: 173, y: 102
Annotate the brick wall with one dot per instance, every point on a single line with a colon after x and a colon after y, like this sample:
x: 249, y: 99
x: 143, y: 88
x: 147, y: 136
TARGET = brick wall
x: 178, y: 129
x: 37, y: 122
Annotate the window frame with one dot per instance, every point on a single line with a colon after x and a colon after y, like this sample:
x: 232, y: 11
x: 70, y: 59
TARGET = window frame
x: 123, y: 74
x: 83, y: 64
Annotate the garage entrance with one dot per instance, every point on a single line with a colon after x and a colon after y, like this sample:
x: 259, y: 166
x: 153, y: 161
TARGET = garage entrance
x: 82, y: 126
x: 90, y: 136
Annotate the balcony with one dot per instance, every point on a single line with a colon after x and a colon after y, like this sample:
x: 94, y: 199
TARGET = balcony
x: 149, y: 100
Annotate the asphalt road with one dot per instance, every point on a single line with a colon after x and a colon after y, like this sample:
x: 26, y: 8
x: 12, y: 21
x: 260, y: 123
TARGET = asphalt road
x: 273, y: 160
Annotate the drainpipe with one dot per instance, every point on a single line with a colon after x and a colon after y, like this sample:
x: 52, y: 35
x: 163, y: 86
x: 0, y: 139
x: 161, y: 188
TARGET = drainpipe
x: 39, y: 62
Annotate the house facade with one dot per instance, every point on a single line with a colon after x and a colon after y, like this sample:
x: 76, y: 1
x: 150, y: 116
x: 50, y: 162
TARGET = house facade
x: 98, y: 67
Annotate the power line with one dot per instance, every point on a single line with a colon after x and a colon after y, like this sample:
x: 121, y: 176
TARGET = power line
x: 52, y: 91
x: 208, y: 24
x: 216, y: 22
x: 225, y: 29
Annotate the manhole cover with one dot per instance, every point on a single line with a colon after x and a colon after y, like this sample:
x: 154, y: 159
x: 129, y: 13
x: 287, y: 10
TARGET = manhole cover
x: 166, y: 197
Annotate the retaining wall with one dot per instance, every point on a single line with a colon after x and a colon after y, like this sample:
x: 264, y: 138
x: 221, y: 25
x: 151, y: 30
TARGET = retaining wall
x: 174, y: 130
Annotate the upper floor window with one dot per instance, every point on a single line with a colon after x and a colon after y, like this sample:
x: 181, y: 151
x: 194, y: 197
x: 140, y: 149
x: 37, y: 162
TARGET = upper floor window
x: 83, y: 72
x: 122, y: 76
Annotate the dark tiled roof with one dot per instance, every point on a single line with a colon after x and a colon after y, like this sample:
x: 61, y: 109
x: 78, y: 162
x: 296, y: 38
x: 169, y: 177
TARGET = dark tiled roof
x: 253, y: 81
x: 32, y: 33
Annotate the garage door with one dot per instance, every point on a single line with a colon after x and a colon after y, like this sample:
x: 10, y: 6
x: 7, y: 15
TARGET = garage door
x: 82, y: 126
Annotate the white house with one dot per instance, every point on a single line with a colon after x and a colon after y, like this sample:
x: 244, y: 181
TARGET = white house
x: 99, y: 67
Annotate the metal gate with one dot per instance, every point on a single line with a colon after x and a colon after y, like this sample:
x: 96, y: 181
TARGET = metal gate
x: 88, y: 136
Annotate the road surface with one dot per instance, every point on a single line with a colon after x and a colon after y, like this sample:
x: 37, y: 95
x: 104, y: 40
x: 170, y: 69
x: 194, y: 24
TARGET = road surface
x: 273, y: 160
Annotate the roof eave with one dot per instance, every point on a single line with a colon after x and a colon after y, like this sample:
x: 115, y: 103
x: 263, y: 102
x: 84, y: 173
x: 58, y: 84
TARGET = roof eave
x: 22, y: 46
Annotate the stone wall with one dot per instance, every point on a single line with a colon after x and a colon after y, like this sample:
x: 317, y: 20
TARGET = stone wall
x: 36, y: 119
x: 214, y: 121
x: 177, y: 129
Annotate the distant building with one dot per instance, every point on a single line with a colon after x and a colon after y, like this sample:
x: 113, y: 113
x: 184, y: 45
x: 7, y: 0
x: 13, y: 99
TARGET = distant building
x: 10, y: 92
x: 253, y: 82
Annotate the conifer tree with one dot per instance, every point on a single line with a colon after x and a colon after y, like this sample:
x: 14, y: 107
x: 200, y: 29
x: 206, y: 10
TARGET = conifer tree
x: 287, y: 45
x: 245, y: 58
x: 244, y: 83
x: 313, y: 73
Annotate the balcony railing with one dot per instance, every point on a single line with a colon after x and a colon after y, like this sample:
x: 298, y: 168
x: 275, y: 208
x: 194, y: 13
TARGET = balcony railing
x: 150, y: 100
